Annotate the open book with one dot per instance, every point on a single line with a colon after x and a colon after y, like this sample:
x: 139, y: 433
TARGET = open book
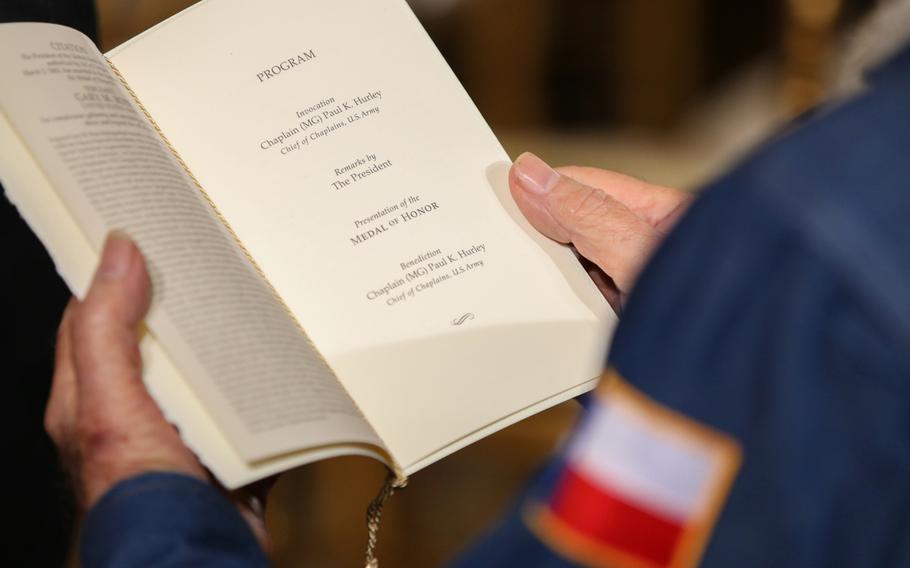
x: 338, y: 267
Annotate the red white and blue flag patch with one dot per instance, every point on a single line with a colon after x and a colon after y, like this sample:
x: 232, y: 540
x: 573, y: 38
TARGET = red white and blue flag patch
x: 642, y: 486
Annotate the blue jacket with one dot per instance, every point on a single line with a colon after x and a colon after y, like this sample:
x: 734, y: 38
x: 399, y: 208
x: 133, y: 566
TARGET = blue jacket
x: 777, y: 314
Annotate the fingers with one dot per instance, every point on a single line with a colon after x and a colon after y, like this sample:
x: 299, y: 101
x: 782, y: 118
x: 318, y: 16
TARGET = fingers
x: 251, y: 502
x: 653, y: 203
x: 106, y: 350
x: 605, y: 284
x: 603, y: 229
x: 60, y: 415
x: 100, y: 414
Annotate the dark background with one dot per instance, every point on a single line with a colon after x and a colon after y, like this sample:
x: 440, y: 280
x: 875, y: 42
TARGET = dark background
x: 36, y: 501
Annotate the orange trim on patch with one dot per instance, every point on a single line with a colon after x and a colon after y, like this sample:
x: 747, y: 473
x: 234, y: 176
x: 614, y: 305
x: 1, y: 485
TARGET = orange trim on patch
x: 725, y: 457
x: 577, y: 546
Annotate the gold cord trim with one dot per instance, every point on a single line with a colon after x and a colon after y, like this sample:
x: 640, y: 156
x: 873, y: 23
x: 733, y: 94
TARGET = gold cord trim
x: 374, y: 516
x: 211, y: 203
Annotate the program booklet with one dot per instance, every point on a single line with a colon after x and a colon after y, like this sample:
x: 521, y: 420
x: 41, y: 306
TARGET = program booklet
x: 338, y: 266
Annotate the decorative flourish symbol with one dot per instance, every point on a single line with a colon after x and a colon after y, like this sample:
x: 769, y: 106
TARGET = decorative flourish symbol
x: 462, y: 319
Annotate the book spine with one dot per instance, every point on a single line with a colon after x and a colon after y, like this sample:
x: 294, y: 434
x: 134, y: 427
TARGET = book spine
x: 396, y: 471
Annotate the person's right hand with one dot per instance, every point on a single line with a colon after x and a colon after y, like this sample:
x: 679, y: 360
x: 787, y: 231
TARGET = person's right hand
x: 614, y: 221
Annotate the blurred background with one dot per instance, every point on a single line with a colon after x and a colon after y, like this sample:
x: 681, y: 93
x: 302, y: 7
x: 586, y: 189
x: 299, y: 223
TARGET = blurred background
x: 669, y: 90
x: 672, y: 91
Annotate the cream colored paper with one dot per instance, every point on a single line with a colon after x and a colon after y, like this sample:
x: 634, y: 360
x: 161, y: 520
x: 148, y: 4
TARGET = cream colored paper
x: 80, y: 160
x: 348, y: 159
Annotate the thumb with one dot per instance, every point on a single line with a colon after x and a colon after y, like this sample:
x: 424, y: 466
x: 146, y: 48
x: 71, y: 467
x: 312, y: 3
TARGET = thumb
x: 602, y: 229
x: 106, y: 348
x: 120, y: 431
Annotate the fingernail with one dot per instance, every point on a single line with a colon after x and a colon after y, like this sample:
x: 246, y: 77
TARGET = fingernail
x: 117, y: 255
x: 534, y: 174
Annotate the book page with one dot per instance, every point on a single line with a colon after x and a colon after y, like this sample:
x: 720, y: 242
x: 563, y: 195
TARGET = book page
x: 351, y: 163
x: 29, y: 189
x: 260, y: 379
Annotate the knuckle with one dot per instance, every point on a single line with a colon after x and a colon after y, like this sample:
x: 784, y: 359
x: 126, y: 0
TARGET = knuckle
x: 97, y: 439
x: 93, y: 314
x: 133, y: 358
x: 52, y: 425
x: 62, y: 331
x: 572, y: 171
x: 582, y: 204
x: 53, y: 415
x: 61, y: 344
x: 591, y: 203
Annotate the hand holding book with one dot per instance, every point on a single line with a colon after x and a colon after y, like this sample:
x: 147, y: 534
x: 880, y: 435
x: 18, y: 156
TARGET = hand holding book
x: 613, y: 221
x: 101, y: 417
x: 332, y: 252
x: 109, y: 429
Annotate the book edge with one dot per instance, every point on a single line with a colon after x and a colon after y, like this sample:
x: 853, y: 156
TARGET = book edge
x: 502, y: 424
x: 394, y: 466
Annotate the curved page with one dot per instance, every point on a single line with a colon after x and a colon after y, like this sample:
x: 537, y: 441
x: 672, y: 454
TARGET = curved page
x: 256, y: 374
x: 355, y: 169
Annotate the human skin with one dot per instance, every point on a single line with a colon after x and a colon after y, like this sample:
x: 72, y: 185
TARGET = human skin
x: 613, y: 220
x: 108, y: 428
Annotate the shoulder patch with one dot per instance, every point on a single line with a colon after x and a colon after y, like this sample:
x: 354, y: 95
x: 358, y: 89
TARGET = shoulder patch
x: 642, y: 485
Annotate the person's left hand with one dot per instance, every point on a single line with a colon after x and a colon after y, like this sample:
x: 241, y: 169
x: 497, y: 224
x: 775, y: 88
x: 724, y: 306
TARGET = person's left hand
x: 613, y: 221
x: 105, y: 424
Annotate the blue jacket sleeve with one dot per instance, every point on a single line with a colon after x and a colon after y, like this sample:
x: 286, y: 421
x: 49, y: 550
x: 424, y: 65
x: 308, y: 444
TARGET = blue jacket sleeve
x: 167, y: 520
x: 778, y: 313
